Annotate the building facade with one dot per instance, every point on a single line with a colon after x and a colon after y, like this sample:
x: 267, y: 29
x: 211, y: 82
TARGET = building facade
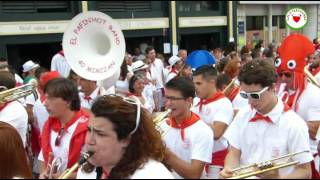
x: 34, y: 29
x: 265, y: 20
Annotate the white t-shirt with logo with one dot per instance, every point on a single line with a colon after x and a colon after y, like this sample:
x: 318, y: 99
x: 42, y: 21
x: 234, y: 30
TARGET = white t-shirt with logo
x: 217, y: 111
x: 260, y: 141
x: 197, y: 144
x: 16, y: 115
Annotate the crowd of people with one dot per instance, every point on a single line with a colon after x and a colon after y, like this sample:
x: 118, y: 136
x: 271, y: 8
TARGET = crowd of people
x: 250, y: 106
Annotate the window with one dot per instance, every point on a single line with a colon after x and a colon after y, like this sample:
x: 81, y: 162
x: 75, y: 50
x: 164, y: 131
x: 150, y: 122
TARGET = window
x: 198, y: 6
x: 124, y: 6
x: 282, y: 22
x: 254, y: 22
x: 34, y: 6
x: 274, y: 21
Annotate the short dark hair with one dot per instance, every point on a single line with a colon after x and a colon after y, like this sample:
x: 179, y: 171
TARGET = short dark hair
x: 7, y: 80
x: 182, y: 84
x: 149, y: 48
x: 258, y: 72
x: 208, y: 72
x: 65, y: 89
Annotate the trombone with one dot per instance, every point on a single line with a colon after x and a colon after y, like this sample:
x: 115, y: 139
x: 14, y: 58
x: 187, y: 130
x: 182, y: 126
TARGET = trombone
x: 265, y: 166
x: 14, y: 94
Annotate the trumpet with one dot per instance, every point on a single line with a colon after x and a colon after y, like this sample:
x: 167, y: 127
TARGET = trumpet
x: 84, y: 158
x: 262, y: 167
x: 14, y: 94
x: 160, y: 119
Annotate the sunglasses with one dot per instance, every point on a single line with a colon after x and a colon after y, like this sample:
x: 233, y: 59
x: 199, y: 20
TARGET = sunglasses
x: 59, y: 137
x: 286, y: 74
x: 253, y: 95
x: 136, y: 102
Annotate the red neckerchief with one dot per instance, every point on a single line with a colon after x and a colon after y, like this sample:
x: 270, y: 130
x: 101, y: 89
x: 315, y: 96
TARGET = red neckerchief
x: 4, y: 106
x: 173, y: 70
x: 61, y: 53
x: 87, y: 98
x: 77, y: 139
x: 185, y: 123
x: 260, y: 117
x: 234, y: 92
x: 42, y: 98
x: 218, y: 95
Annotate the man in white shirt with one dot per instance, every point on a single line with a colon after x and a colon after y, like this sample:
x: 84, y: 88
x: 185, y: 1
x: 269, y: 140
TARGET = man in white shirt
x: 90, y: 91
x: 188, y: 139
x: 59, y: 63
x: 266, y: 130
x: 156, y: 72
x: 214, y: 108
x: 175, y: 66
x: 13, y: 112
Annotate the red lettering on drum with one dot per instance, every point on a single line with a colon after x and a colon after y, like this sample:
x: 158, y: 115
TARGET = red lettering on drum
x: 73, y: 41
x: 115, y: 35
x: 85, y: 22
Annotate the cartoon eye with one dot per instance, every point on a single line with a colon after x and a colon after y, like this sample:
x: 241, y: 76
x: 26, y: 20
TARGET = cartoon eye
x: 277, y: 62
x: 291, y: 64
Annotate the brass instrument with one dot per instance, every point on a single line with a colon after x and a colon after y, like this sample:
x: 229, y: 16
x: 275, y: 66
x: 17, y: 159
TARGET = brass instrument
x: 262, y: 167
x: 54, y: 166
x: 230, y: 86
x: 84, y: 158
x: 311, y: 78
x: 17, y: 93
x: 159, y: 120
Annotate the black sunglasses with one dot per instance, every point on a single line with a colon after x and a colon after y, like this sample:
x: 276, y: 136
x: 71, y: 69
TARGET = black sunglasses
x: 286, y: 74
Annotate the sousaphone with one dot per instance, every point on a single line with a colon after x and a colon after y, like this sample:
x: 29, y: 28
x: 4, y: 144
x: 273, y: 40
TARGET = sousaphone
x: 94, y: 46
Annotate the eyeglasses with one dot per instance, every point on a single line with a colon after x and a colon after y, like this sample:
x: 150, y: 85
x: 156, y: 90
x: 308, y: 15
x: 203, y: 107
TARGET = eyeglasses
x: 136, y: 102
x: 59, y: 137
x: 173, y: 98
x: 253, y: 95
x: 286, y: 74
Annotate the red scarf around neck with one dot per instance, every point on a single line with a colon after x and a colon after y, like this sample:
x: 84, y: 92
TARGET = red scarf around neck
x: 173, y: 70
x: 185, y: 123
x: 217, y: 96
x: 77, y: 140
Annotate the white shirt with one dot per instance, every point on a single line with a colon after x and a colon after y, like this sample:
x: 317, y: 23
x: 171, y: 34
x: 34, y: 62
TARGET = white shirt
x: 156, y: 71
x: 59, y: 63
x: 61, y: 151
x: 16, y: 115
x: 197, y: 145
x: 171, y: 76
x: 99, y: 91
x: 308, y: 107
x: 151, y: 170
x: 217, y: 111
x: 31, y: 99
x: 148, y: 93
x: 122, y: 86
x: 260, y: 141
x: 40, y: 113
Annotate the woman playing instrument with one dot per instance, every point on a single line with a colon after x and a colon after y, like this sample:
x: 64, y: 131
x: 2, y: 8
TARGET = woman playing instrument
x: 64, y: 132
x: 14, y: 163
x: 124, y: 142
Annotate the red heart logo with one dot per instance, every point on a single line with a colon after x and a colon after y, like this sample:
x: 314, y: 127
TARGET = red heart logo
x: 296, y: 18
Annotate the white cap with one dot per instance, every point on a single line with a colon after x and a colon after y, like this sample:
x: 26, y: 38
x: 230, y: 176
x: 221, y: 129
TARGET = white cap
x: 173, y: 60
x: 29, y: 65
x: 138, y: 65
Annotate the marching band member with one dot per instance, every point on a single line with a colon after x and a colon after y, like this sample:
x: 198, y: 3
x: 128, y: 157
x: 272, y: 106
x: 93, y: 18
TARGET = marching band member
x: 175, y: 64
x: 303, y: 97
x: 214, y: 108
x: 189, y: 140
x: 59, y: 63
x: 156, y: 72
x: 124, y: 142
x: 266, y: 130
x: 136, y: 88
x: 64, y: 132
x: 29, y: 69
x: 14, y: 163
x: 90, y: 91
x: 14, y: 112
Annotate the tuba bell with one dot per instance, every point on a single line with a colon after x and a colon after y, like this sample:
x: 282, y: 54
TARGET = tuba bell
x: 94, y: 46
